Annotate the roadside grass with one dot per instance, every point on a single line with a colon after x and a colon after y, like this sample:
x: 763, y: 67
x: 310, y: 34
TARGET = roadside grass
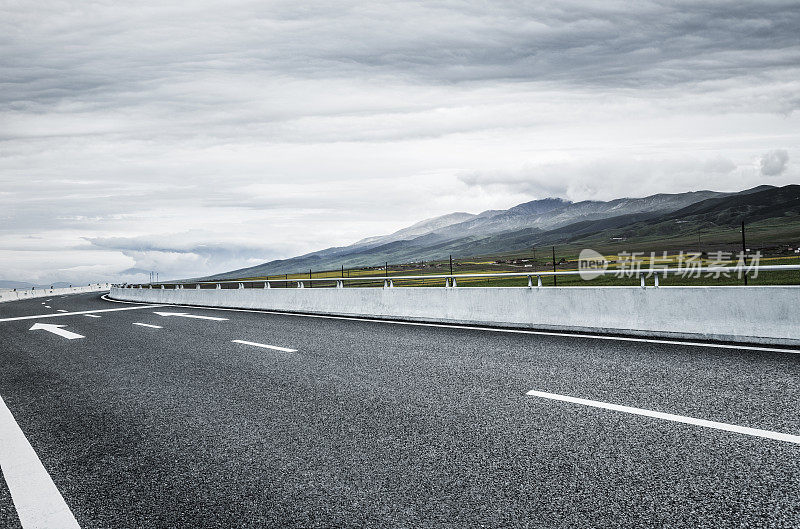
x: 624, y: 278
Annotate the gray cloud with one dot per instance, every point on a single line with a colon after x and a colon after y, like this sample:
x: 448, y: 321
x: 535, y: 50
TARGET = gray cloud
x: 608, y: 178
x: 122, y: 49
x: 774, y: 162
x: 185, y: 253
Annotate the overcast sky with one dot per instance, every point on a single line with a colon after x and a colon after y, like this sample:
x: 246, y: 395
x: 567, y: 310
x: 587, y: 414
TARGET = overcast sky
x: 205, y: 136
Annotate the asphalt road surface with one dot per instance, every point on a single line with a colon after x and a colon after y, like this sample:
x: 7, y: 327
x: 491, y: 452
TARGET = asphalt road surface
x: 368, y: 424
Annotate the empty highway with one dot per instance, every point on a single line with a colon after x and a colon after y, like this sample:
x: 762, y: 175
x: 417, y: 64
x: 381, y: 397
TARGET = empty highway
x: 136, y: 415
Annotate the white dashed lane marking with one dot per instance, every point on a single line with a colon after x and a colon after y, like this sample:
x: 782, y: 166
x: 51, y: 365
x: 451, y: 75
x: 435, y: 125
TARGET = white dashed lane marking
x: 265, y: 346
x: 187, y: 315
x: 767, y: 434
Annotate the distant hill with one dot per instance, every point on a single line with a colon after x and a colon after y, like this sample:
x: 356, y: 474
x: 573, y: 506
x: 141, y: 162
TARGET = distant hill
x: 750, y: 206
x: 543, y: 222
x: 553, y: 213
x: 416, y: 230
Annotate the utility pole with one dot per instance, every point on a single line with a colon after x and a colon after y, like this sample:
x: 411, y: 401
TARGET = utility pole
x: 555, y: 280
x: 386, y: 269
x: 451, y: 265
x: 310, y: 284
x: 342, y: 270
x: 744, y: 255
x: 534, y: 252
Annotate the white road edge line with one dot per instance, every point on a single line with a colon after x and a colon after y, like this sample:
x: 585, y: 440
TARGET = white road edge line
x: 38, y: 502
x: 767, y: 434
x: 51, y: 315
x: 275, y: 347
x: 490, y: 329
x: 148, y: 325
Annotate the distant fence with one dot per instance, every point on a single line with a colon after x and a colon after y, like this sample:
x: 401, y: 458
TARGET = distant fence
x: 21, y: 294
x: 534, y: 278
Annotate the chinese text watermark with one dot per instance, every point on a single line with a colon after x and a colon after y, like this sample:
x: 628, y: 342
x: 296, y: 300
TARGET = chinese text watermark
x: 592, y: 264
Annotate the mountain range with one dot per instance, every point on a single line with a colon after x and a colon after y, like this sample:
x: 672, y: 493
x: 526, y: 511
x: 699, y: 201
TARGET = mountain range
x: 544, y: 222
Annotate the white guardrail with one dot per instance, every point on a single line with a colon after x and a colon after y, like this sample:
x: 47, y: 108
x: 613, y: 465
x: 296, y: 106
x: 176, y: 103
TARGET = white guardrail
x: 752, y: 314
x: 31, y: 293
x: 451, y: 280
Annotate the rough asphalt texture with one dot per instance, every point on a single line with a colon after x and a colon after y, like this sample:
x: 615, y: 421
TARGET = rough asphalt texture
x: 384, y: 425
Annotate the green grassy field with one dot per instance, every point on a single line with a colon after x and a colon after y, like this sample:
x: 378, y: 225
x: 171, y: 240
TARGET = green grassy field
x: 486, y: 267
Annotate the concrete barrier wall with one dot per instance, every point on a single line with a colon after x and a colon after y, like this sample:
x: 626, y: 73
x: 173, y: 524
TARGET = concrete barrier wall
x: 16, y: 295
x: 758, y: 314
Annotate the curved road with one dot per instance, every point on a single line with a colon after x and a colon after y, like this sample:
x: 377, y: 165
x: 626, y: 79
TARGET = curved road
x: 173, y: 420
